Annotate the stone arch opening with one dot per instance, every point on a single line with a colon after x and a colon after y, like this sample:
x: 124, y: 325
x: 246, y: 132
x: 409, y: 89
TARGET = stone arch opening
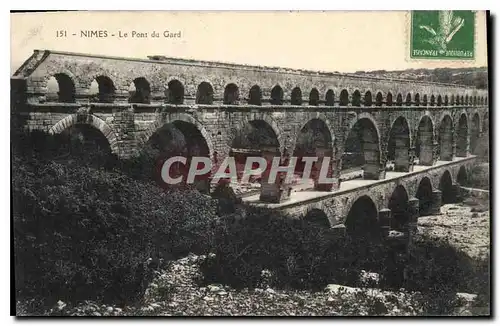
x: 314, y: 97
x: 362, y: 149
x: 231, y: 94
x: 314, y: 140
x: 457, y: 99
x: 139, y: 91
x: 408, y: 99
x: 446, y: 100
x: 439, y: 100
x: 314, y: 135
x: 277, y: 95
x: 462, y: 102
x: 330, y: 98
x: 424, y: 100
x: 296, y: 97
x: 462, y: 177
x: 417, y: 99
x: 182, y: 137
x: 205, y: 93
x: 433, y: 100
x: 388, y: 101
x: 424, y: 144
x: 474, y: 100
x: 61, y: 88
x: 368, y: 99
x: 466, y: 99
x: 447, y: 189
x: 446, y: 139
x: 356, y: 98
x: 452, y: 99
x: 398, y: 204
x: 85, y: 141
x: 462, y: 135
x: 255, y: 96
x: 362, y: 220
x: 87, y: 137
x: 178, y: 138
x: 344, y: 98
x: 474, y: 134
x: 399, y: 145
x: 424, y: 195
x: 317, y: 217
x: 102, y: 90
x: 399, y: 100
x: 379, y: 99
x: 254, y: 138
x: 175, y: 94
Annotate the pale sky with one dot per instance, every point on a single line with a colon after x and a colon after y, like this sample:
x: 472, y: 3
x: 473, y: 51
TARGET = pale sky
x: 326, y: 41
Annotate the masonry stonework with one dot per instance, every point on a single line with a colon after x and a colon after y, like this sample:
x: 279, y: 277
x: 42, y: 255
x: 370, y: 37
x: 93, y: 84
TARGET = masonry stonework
x: 220, y: 99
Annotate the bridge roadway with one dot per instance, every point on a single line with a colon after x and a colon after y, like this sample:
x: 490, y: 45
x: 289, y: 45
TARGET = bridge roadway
x: 406, y: 187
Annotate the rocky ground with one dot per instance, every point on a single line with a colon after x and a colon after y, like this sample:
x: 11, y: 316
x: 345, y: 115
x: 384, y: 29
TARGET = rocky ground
x: 465, y: 225
x: 176, y: 291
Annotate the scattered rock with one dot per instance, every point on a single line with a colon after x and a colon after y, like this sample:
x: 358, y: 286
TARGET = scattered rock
x: 369, y: 278
x: 395, y: 234
x: 213, y: 288
x: 60, y: 305
x: 335, y: 288
x: 467, y: 297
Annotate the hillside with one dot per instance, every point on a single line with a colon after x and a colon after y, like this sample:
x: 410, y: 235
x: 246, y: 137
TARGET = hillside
x: 464, y: 76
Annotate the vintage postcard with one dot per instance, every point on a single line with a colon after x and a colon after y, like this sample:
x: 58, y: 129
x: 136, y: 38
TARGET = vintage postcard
x: 318, y: 163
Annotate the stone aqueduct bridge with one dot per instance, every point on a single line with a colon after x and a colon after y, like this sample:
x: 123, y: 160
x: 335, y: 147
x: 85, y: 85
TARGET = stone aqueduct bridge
x: 213, y: 104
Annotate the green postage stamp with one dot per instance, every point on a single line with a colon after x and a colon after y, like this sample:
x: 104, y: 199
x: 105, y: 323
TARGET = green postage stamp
x: 447, y: 34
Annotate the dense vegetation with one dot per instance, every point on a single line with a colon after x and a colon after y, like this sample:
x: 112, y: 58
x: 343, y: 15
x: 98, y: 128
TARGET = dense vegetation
x: 82, y: 232
x: 88, y: 227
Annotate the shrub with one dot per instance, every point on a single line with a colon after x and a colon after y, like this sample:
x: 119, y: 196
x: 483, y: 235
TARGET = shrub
x: 480, y: 176
x: 439, y: 270
x: 269, y: 249
x: 296, y: 253
x: 82, y: 232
